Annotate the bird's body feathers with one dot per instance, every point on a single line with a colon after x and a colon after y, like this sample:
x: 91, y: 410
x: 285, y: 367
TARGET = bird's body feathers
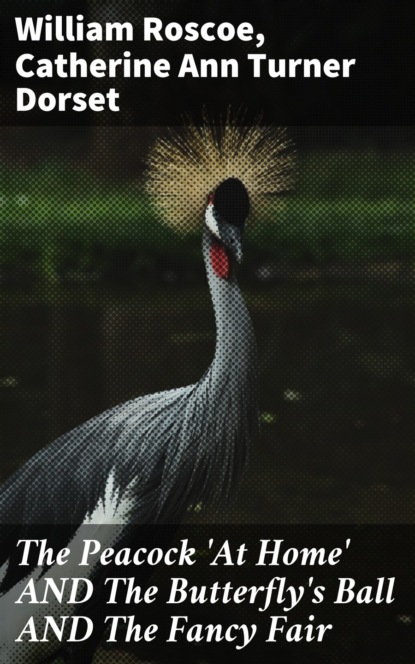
x: 149, y: 460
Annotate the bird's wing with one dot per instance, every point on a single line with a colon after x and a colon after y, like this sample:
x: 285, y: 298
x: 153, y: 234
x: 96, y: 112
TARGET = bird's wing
x: 66, y: 483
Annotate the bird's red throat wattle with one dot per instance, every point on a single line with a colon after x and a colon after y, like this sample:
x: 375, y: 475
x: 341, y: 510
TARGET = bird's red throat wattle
x: 219, y: 260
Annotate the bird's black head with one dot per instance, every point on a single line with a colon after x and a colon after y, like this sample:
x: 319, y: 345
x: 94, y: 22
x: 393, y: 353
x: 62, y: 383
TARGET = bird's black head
x: 231, y: 202
x: 227, y: 210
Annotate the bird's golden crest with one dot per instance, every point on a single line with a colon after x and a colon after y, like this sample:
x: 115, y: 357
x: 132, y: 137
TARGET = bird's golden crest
x: 189, y: 163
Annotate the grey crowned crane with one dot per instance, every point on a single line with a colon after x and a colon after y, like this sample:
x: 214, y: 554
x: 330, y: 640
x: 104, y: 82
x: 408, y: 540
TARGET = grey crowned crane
x: 151, y: 459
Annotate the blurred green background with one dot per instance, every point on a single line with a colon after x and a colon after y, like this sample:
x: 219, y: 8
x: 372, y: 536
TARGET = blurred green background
x: 99, y: 302
x: 63, y: 220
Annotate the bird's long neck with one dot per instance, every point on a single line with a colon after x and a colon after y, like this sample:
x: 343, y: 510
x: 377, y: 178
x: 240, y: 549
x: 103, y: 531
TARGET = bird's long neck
x: 220, y: 413
x: 235, y: 354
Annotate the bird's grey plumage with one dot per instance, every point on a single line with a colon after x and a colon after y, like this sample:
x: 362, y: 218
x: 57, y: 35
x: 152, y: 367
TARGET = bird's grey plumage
x: 145, y: 461
x: 150, y: 459
x: 169, y: 450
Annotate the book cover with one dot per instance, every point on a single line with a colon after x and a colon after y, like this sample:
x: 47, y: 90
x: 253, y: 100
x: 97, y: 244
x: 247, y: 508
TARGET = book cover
x: 206, y: 331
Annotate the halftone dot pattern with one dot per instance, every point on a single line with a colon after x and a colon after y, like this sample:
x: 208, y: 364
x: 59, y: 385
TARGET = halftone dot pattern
x: 292, y: 31
x: 260, y: 157
x: 98, y: 311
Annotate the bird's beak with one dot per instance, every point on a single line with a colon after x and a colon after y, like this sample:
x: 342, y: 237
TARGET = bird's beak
x: 238, y: 252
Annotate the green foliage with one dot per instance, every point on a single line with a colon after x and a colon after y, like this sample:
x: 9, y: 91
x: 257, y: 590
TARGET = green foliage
x: 349, y: 228
x: 66, y: 204
x: 365, y: 174
x: 348, y: 205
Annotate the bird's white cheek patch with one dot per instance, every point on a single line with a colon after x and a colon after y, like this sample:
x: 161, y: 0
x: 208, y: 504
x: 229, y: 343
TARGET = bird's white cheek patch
x: 211, y: 222
x: 219, y: 260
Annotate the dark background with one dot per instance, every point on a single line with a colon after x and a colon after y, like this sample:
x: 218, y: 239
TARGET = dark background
x: 378, y: 34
